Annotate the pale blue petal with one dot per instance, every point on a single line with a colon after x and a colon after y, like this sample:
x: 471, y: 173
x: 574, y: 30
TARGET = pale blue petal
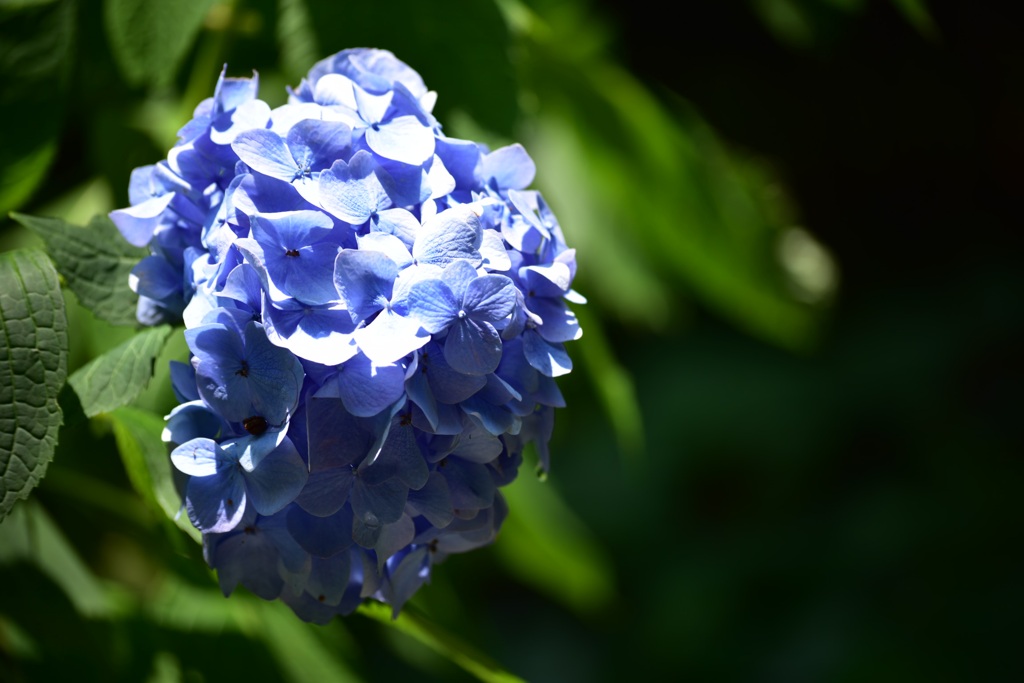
x: 266, y: 152
x: 402, y: 139
x: 452, y: 234
x: 198, y: 457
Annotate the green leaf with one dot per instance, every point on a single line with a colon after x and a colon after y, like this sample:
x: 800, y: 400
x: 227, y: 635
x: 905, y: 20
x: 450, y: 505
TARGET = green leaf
x: 483, y: 86
x: 118, y: 376
x: 300, y: 655
x: 147, y: 464
x: 545, y: 545
x: 149, y: 38
x: 95, y: 262
x: 36, y: 45
x: 917, y: 14
x: 420, y: 628
x: 296, y: 37
x: 31, y: 535
x: 33, y: 368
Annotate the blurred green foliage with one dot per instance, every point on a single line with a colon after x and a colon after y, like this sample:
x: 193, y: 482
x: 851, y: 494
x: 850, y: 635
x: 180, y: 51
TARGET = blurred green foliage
x: 765, y: 472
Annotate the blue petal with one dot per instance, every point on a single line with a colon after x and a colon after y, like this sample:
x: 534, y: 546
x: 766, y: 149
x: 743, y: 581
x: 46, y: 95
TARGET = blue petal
x: 352, y: 191
x: 397, y: 222
x: 336, y: 437
x: 390, y: 337
x: 155, y: 278
x: 274, y: 374
x: 549, y: 359
x: 490, y: 298
x: 216, y: 503
x: 477, y: 445
x: 560, y: 324
x: 326, y: 491
x: 407, y: 577
x: 367, y: 388
x: 364, y: 279
x: 383, y: 502
x: 291, y: 229
x: 322, y: 334
x: 277, y: 480
x: 433, y: 501
x: 448, y: 385
x: 472, y: 347
x: 510, y: 167
x: 137, y: 223
x: 433, y: 305
x: 461, y: 158
x: 470, y: 484
x: 322, y: 536
x: 393, y: 537
x: 315, y: 144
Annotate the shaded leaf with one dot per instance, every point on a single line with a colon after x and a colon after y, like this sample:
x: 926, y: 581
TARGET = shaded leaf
x: 299, y: 653
x: 661, y: 196
x: 31, y: 535
x: 95, y: 262
x: 149, y: 38
x: 36, y: 45
x: 546, y: 546
x: 483, y: 86
x: 33, y: 369
x: 440, y: 641
x: 118, y: 376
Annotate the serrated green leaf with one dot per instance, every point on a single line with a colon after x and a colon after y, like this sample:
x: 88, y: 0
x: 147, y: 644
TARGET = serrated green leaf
x: 419, y: 627
x: 33, y: 368
x: 118, y: 376
x: 147, y: 464
x: 149, y: 38
x: 95, y: 262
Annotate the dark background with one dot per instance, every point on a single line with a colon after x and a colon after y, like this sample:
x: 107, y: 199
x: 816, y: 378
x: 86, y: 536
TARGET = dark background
x: 833, y: 500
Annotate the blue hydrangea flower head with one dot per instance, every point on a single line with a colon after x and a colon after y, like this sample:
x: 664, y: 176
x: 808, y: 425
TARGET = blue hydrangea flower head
x: 375, y: 314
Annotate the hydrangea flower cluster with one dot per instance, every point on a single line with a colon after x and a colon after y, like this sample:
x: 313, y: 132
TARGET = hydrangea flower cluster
x: 376, y: 313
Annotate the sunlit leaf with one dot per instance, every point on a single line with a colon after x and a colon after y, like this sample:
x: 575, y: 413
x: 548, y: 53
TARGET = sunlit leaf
x: 33, y: 368
x: 437, y: 639
x: 149, y: 38
x: 298, y: 41
x: 95, y: 262
x: 118, y: 376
